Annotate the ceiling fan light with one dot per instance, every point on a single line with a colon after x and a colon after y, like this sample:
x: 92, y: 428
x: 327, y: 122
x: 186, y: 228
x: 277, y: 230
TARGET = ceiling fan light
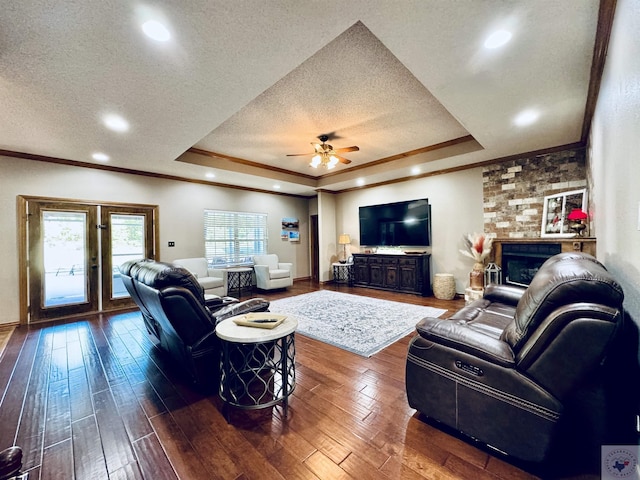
x: 315, y: 161
x: 325, y: 156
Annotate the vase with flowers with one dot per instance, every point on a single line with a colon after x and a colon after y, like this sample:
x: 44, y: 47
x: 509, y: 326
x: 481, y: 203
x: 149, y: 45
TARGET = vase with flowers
x: 477, y: 247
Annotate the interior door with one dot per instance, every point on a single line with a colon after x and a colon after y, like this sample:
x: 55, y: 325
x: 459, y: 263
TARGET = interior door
x: 127, y: 233
x: 63, y: 259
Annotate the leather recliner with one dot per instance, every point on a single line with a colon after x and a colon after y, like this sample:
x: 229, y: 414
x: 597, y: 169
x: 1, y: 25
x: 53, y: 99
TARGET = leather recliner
x: 127, y: 270
x: 173, y: 306
x: 511, y: 369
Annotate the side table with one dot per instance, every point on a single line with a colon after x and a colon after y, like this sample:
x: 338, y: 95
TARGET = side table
x: 257, y: 365
x: 239, y: 278
x: 471, y: 295
x: 343, y: 273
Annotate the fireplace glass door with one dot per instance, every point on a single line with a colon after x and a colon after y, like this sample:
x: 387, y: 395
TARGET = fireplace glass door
x: 521, y: 261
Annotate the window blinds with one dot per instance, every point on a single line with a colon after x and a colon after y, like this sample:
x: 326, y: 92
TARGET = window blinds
x: 232, y: 238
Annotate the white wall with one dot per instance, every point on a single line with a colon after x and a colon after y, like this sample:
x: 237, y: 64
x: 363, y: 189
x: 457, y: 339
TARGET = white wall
x: 615, y: 156
x: 181, y: 206
x: 456, y: 209
x: 328, y: 236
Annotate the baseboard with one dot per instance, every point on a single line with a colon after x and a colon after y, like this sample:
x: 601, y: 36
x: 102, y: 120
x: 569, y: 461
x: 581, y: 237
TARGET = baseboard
x: 9, y: 325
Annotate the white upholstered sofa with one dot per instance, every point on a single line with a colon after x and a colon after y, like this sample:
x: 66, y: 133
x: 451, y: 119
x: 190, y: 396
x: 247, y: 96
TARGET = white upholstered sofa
x: 213, y: 280
x: 270, y: 273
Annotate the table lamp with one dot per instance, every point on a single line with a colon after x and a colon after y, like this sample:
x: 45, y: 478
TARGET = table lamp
x: 344, y: 240
x: 575, y: 217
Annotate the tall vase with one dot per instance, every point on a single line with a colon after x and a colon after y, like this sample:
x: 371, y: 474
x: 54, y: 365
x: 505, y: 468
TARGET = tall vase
x: 476, y: 277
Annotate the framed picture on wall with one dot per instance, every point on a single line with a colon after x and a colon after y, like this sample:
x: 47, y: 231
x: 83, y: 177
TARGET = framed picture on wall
x: 290, y: 223
x: 294, y: 236
x: 556, y: 209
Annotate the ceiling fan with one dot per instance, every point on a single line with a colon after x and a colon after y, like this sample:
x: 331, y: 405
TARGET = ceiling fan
x: 325, y: 155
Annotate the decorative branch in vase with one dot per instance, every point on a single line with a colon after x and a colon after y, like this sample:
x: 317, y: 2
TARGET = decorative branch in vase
x: 478, y: 247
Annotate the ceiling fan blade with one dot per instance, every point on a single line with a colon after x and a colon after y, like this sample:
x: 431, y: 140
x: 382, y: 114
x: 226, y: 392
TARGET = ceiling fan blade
x: 347, y: 149
x: 326, y: 149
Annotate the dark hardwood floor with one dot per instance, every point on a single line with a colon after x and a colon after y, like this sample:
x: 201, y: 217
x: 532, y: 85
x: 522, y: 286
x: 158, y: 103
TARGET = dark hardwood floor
x: 95, y: 399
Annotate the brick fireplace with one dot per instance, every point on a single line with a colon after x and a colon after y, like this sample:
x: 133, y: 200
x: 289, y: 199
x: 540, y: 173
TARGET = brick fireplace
x: 514, y: 190
x: 520, y: 259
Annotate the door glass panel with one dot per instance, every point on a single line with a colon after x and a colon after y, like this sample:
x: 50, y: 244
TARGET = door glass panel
x: 127, y: 243
x: 64, y: 257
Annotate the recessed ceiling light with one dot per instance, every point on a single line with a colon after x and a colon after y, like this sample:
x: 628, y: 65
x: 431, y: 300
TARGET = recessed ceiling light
x: 210, y: 175
x: 497, y: 39
x: 276, y: 186
x: 156, y: 31
x: 526, y: 117
x: 360, y: 182
x: 100, y: 157
x: 415, y: 170
x: 116, y: 123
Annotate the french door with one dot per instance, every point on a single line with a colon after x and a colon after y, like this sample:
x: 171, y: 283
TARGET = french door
x: 73, y: 252
x: 127, y: 234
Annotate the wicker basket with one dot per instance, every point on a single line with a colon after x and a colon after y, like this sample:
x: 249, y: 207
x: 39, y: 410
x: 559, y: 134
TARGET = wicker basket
x: 444, y: 286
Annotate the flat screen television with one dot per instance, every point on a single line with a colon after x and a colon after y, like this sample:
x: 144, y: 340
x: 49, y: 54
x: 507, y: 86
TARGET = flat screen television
x: 399, y: 224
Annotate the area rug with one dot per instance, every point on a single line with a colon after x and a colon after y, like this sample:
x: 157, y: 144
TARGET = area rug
x: 361, y: 325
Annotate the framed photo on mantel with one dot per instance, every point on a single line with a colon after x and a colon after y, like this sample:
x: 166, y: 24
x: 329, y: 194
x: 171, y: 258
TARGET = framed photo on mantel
x: 556, y: 209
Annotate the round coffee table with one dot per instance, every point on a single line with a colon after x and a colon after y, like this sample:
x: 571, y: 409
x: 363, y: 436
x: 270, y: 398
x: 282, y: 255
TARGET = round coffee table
x: 257, y: 366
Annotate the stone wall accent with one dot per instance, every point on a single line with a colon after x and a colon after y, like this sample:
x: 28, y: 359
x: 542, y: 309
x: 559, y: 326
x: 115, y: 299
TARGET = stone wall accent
x: 514, y: 190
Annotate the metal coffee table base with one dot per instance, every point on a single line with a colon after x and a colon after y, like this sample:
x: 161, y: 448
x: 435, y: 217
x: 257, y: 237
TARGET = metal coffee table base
x: 258, y: 375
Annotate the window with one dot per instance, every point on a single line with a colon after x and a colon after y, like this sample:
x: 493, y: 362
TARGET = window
x: 557, y: 207
x: 232, y: 238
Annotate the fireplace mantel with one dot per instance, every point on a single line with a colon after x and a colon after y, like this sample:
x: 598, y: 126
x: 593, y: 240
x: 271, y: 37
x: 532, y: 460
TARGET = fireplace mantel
x: 573, y: 244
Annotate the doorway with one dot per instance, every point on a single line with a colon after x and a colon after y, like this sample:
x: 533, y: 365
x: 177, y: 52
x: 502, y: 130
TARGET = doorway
x: 70, y: 252
x: 315, y: 251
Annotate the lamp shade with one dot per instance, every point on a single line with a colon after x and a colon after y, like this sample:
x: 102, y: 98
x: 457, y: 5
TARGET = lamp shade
x: 344, y: 239
x: 577, y: 214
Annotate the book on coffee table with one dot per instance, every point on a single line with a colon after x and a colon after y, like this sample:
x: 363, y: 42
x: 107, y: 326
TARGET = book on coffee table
x: 260, y: 320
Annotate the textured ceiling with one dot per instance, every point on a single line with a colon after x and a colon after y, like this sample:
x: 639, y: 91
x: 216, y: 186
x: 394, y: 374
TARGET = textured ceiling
x: 246, y: 83
x: 353, y: 86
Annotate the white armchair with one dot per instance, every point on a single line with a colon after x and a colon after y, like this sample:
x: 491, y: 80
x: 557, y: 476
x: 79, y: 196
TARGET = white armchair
x: 213, y: 280
x: 270, y: 273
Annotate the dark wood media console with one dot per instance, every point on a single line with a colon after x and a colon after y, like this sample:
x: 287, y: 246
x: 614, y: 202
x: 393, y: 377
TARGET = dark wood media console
x: 407, y: 273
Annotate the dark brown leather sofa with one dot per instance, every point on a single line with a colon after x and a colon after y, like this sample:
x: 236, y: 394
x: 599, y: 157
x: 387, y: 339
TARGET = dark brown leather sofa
x: 524, y: 370
x: 177, y: 317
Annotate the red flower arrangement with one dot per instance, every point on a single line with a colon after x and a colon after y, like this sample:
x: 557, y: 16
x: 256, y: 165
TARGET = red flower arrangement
x: 478, y: 246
